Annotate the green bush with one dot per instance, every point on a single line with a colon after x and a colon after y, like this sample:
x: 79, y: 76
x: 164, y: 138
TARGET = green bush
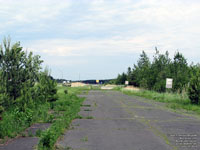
x: 194, y: 87
x: 15, y: 121
x: 65, y: 91
x: 46, y: 88
x: 1, y: 107
x: 25, y: 90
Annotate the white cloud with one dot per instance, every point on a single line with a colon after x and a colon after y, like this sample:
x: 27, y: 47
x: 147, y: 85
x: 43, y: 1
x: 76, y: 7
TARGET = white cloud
x: 107, y: 27
x: 95, y: 47
x: 28, y: 12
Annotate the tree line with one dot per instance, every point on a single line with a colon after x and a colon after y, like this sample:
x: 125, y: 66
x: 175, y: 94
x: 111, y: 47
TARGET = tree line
x: 151, y: 75
x: 23, y: 84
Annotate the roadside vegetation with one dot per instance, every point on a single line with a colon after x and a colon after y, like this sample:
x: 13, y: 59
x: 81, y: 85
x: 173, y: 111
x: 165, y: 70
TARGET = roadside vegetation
x: 172, y: 100
x: 25, y: 89
x: 28, y: 94
x: 64, y: 110
x: 151, y: 77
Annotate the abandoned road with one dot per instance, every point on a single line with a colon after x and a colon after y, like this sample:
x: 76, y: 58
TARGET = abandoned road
x: 114, y: 121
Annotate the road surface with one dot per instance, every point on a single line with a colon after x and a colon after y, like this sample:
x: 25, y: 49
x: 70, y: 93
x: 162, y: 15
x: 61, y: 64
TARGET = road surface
x: 115, y: 121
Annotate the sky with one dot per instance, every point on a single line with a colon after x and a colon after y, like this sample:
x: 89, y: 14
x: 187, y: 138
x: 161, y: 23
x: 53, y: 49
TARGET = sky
x: 98, y: 39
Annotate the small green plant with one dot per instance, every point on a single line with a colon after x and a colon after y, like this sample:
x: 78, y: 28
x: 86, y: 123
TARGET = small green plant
x: 30, y: 134
x: 95, y: 104
x: 1, y: 110
x: 23, y: 134
x: 79, y: 117
x: 66, y: 91
x: 84, y: 139
x: 38, y: 132
x: 86, y: 105
x: 87, y: 110
x: 49, y: 119
x: 89, y: 117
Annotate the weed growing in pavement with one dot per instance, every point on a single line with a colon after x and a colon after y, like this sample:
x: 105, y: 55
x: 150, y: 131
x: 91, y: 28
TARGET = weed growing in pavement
x: 89, y: 117
x: 38, y: 132
x: 69, y: 105
x: 86, y: 105
x: 87, y: 110
x: 30, y: 134
x: 79, y: 117
x: 84, y: 139
x: 69, y: 148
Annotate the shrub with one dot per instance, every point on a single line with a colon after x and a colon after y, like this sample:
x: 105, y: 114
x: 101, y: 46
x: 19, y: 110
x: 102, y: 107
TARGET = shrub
x: 65, y: 91
x: 25, y: 90
x: 194, y: 87
x: 46, y: 87
x: 17, y: 69
x: 1, y: 107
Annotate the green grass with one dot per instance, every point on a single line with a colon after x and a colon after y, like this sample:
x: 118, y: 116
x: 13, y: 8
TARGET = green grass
x: 96, y: 87
x: 69, y: 104
x: 86, y: 105
x: 15, y: 121
x: 173, y: 100
x: 73, y: 90
x: 59, y: 113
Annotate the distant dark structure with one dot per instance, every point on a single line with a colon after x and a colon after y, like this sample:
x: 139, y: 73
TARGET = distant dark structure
x: 62, y: 80
x: 86, y: 81
x: 94, y: 81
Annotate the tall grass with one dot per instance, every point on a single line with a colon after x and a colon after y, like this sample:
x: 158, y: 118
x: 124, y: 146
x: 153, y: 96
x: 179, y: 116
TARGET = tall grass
x: 15, y: 121
x: 173, y: 100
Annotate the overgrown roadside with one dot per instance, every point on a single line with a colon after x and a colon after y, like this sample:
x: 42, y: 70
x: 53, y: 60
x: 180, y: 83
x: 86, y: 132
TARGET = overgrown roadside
x: 64, y: 110
x: 52, y: 120
x: 26, y: 90
x: 172, y: 100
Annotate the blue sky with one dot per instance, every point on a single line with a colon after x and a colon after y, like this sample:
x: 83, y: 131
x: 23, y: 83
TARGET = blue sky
x: 100, y: 38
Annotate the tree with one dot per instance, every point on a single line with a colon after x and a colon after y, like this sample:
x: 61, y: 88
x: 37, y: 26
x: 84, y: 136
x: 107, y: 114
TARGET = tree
x: 194, y: 86
x: 160, y: 70
x: 18, y: 69
x: 121, y: 78
x: 130, y: 77
x: 141, y: 71
x: 46, y: 87
x: 180, y: 72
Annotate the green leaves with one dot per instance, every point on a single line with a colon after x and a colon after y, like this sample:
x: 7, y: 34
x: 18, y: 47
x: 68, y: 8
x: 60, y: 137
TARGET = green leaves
x: 19, y: 72
x: 152, y: 74
x: 194, y: 87
x: 121, y: 79
x: 23, y: 88
x: 46, y: 87
x: 17, y: 69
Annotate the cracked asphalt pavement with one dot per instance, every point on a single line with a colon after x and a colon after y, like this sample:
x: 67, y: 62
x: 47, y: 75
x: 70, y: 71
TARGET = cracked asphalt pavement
x: 114, y: 121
